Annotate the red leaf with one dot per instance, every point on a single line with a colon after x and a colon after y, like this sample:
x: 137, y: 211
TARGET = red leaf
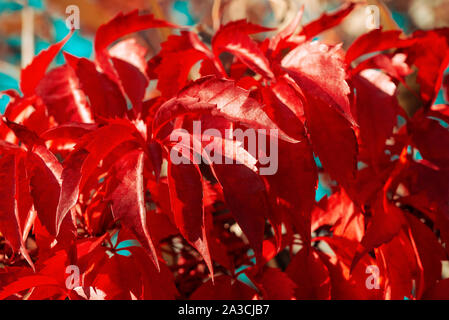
x: 177, y: 57
x: 104, y: 94
x: 277, y: 285
x: 186, y: 197
x: 133, y: 81
x: 376, y: 40
x: 217, y: 97
x: 11, y: 225
x: 339, y: 212
x: 430, y: 55
x: 131, y: 51
x: 376, y: 110
x: 285, y: 114
x: 35, y: 71
x: 277, y: 43
x: 287, y: 91
x: 429, y: 252
x: 234, y: 38
x: 297, y: 169
x: 431, y: 139
x: 440, y: 291
x: 223, y: 288
x: 333, y: 140
x: 319, y: 71
x: 125, y: 190
x: 245, y: 193
x: 45, y: 189
x: 29, y: 282
x: 327, y: 21
x: 346, y: 285
x: 310, y: 275
x: 385, y: 225
x: 42, y: 165
x: 71, y: 178
x: 399, y: 267
x: 123, y: 24
x: 60, y: 91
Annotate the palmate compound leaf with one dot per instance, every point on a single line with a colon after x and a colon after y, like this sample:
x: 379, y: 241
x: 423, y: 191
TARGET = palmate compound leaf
x: 217, y: 97
x: 246, y: 199
x: 244, y: 190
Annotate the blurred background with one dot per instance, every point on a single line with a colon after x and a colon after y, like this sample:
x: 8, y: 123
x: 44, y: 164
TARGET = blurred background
x: 29, y: 26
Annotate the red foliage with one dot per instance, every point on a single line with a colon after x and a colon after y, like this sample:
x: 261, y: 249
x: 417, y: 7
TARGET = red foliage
x: 93, y: 207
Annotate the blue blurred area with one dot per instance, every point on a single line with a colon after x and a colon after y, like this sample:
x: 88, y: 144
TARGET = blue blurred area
x: 9, y: 6
x: 6, y: 82
x: 181, y: 13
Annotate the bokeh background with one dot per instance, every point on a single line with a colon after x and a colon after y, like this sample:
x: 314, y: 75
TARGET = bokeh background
x: 29, y: 26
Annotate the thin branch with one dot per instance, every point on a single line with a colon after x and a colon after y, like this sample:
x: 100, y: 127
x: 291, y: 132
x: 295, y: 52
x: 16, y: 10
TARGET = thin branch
x: 27, y: 35
x: 216, y: 21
